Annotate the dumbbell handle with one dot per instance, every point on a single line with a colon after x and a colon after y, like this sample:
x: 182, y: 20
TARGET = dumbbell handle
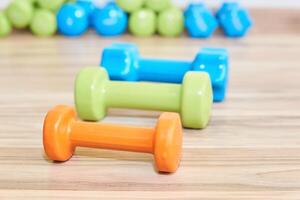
x: 163, y: 70
x: 151, y: 96
x: 126, y: 138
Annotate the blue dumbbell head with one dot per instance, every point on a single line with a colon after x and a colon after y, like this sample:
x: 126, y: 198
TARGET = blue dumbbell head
x: 199, y: 21
x: 110, y: 20
x: 214, y: 61
x: 72, y: 20
x: 122, y: 62
x: 89, y: 8
x: 234, y: 20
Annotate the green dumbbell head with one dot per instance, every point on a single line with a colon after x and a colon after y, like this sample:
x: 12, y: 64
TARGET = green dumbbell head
x: 170, y: 22
x: 43, y: 23
x: 130, y: 5
x: 196, y: 100
x: 5, y: 26
x: 158, y: 5
x: 50, y: 4
x: 90, y: 94
x: 142, y: 22
x: 19, y: 13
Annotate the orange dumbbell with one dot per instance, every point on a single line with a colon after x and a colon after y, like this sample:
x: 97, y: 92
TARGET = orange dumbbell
x: 62, y: 133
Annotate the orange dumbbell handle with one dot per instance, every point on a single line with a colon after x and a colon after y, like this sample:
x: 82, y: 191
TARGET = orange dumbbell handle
x: 87, y: 134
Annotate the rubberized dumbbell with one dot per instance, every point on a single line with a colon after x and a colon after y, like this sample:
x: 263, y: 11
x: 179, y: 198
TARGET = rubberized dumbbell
x: 5, y: 25
x: 170, y: 22
x: 72, y: 20
x: 95, y: 93
x: 43, y: 23
x: 109, y: 20
x: 143, y: 22
x: 158, y: 5
x: 62, y: 133
x: 89, y: 7
x: 123, y: 62
x: 20, y: 13
x: 52, y: 5
x: 234, y: 19
x: 130, y: 5
x: 199, y: 21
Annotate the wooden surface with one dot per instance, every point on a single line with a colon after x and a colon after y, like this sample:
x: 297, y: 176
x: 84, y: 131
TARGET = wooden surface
x: 251, y: 149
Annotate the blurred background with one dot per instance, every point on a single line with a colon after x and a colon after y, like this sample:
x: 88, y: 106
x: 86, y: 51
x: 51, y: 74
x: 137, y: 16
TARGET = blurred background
x: 251, y: 3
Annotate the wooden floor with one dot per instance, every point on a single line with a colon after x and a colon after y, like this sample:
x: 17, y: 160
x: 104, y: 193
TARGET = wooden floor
x: 251, y: 149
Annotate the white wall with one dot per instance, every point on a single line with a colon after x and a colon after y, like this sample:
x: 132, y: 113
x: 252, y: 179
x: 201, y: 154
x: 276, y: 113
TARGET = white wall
x: 247, y: 3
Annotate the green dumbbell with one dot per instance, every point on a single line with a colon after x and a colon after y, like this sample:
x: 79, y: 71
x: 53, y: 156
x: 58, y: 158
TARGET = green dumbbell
x: 142, y: 22
x: 170, y: 22
x: 95, y: 93
x: 53, y: 5
x: 5, y: 26
x: 43, y: 23
x: 158, y: 5
x: 20, y: 13
x: 130, y: 5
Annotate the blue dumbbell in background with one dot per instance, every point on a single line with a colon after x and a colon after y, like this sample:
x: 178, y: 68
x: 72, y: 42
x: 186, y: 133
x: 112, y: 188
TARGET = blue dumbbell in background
x: 199, y: 21
x: 122, y: 61
x: 234, y: 19
x: 109, y: 20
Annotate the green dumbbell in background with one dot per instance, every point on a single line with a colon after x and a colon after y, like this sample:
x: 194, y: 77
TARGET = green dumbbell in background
x: 20, y: 13
x: 170, y: 22
x: 95, y: 93
x: 143, y: 22
x: 43, y: 23
x: 5, y: 26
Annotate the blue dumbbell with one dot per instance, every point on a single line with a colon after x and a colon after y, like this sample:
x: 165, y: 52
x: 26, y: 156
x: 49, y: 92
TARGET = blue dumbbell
x: 110, y: 20
x: 89, y: 8
x: 199, y: 21
x: 122, y: 61
x: 72, y: 20
x: 234, y: 19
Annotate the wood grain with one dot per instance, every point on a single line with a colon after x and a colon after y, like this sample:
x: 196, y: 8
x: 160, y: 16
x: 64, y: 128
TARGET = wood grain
x: 251, y: 150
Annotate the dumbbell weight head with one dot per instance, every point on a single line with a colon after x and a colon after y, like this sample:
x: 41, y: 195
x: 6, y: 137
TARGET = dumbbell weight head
x: 170, y: 22
x: 5, y: 26
x: 234, y: 20
x: 43, y: 23
x: 168, y: 143
x: 56, y: 137
x: 110, y: 20
x: 125, y: 62
x: 90, y: 93
x: 130, y: 5
x: 194, y: 97
x: 89, y: 8
x: 20, y: 13
x: 53, y: 5
x: 214, y: 61
x: 72, y: 20
x: 196, y: 100
x: 158, y: 5
x: 143, y: 22
x: 199, y: 21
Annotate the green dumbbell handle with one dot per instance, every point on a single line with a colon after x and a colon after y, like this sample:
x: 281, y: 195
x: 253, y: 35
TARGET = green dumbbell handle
x: 150, y: 96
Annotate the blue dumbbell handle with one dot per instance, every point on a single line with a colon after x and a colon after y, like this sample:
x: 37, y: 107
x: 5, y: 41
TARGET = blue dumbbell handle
x: 162, y: 70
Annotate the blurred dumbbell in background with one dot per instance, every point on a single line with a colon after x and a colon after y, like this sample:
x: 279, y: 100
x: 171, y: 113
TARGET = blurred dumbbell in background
x: 112, y: 18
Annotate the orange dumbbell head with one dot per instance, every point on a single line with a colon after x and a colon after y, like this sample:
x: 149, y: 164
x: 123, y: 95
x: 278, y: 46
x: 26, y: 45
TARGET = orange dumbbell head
x: 56, y: 133
x: 168, y: 142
